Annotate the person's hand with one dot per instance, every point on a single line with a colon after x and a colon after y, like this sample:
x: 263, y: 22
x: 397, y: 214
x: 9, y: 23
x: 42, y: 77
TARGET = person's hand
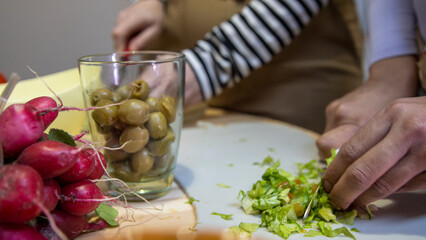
x: 387, y: 155
x: 162, y: 80
x: 138, y: 24
x: 389, y: 79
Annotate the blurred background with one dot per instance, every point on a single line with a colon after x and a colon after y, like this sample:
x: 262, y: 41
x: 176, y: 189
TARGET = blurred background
x: 50, y: 35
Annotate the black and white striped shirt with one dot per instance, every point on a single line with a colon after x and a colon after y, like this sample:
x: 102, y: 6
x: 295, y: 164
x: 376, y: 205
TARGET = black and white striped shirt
x: 248, y: 40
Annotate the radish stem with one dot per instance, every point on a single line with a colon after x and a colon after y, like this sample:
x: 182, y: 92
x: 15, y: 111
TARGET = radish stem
x: 13, y: 80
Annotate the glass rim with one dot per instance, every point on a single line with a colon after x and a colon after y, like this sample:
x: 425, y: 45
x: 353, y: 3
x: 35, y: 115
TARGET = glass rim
x: 174, y: 56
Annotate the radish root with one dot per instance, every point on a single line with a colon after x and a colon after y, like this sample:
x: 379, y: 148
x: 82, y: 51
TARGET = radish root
x: 52, y: 222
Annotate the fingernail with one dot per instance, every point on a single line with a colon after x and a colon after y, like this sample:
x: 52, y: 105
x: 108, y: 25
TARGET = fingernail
x: 326, y: 185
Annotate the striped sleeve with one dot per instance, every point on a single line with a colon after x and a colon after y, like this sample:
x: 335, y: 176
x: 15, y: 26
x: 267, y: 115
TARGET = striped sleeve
x: 247, y: 41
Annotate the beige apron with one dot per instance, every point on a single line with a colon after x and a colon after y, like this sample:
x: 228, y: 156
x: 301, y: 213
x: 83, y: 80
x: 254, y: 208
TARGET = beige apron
x: 322, y: 64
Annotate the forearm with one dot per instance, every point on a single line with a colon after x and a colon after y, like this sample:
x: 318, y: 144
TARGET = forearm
x: 397, y: 75
x: 247, y: 41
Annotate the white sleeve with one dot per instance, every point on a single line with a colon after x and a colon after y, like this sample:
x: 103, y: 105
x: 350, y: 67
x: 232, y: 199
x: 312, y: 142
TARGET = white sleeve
x: 391, y: 29
x: 247, y: 41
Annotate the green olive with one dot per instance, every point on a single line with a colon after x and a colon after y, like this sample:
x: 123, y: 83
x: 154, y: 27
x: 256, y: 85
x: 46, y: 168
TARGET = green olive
x: 163, y: 162
x: 135, y: 138
x: 156, y: 125
x: 120, y: 125
x: 105, y: 116
x: 142, y: 161
x: 169, y: 99
x: 133, y: 112
x: 169, y: 110
x: 124, y: 92
x: 140, y: 89
x: 100, y: 93
x: 116, y: 154
x: 116, y: 97
x: 154, y: 104
x: 123, y: 172
x: 161, y: 146
x: 103, y: 129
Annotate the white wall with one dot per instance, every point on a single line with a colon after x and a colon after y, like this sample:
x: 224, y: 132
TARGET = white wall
x: 50, y: 35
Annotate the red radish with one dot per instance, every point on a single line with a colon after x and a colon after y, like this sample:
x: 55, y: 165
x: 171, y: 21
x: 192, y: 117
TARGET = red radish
x: 98, y: 225
x: 82, y: 168
x: 49, y: 158
x: 51, y: 193
x: 80, y: 198
x: 20, y: 126
x: 21, y: 192
x: 2, y: 78
x: 19, y: 231
x: 45, y: 102
x: 70, y: 225
x: 100, y: 165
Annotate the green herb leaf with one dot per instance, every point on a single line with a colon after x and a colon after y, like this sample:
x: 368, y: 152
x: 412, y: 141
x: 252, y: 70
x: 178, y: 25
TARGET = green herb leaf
x: 191, y: 200
x: 107, y: 213
x: 193, y: 227
x: 61, y: 136
x: 223, y: 185
x: 223, y: 216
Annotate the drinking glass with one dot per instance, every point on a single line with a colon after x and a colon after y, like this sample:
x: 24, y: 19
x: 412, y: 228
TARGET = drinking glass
x: 137, y: 101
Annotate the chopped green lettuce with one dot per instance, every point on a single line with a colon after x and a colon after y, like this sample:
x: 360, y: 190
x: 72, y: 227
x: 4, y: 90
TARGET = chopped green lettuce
x: 223, y: 216
x: 223, y: 185
x: 326, y: 214
x: 281, y: 198
x: 331, y: 158
x: 238, y: 233
x: 249, y: 227
x: 348, y: 218
x: 267, y: 161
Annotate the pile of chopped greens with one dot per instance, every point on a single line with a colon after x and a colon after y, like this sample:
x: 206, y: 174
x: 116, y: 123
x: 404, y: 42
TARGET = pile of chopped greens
x: 281, y: 199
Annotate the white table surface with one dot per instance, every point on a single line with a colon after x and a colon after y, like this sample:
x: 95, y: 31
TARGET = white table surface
x: 223, y: 149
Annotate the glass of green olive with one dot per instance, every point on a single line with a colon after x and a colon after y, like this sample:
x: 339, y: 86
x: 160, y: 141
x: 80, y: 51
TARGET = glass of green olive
x: 136, y: 100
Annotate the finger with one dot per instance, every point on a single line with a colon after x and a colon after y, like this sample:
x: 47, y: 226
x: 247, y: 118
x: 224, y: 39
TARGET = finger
x: 366, y: 137
x: 391, y: 181
x: 144, y: 38
x: 120, y: 37
x: 125, y: 30
x: 119, y: 33
x: 369, y: 166
x: 334, y: 139
x: 332, y: 116
x: 416, y: 183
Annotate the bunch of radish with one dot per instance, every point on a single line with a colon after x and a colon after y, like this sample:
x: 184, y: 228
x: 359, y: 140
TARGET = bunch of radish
x: 47, y: 186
